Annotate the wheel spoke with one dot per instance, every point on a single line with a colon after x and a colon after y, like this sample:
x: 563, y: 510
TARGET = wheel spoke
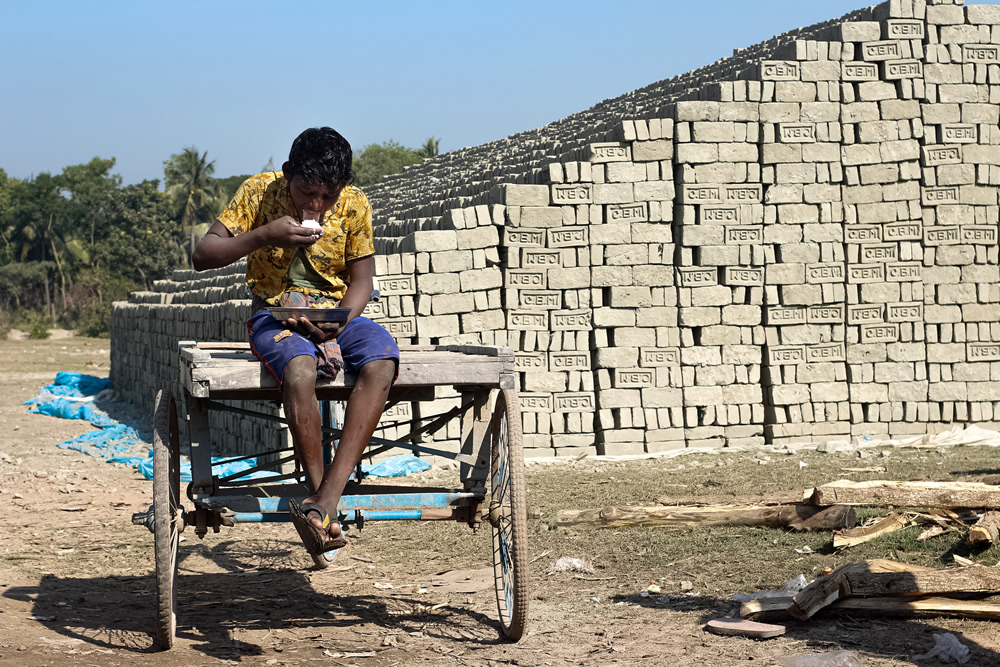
x: 507, y: 515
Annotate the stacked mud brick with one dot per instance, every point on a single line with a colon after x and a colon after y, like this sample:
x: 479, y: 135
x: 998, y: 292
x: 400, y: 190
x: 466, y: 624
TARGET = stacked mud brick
x: 960, y: 171
x: 798, y: 242
x: 719, y: 263
x: 206, y: 306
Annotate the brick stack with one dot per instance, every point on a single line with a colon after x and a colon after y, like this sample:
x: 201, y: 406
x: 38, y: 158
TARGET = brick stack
x: 635, y: 335
x: 960, y: 159
x: 882, y: 128
x: 795, y: 243
x: 546, y: 281
x: 720, y: 262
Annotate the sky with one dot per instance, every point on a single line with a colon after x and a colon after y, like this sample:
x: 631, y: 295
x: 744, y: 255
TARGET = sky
x: 140, y: 81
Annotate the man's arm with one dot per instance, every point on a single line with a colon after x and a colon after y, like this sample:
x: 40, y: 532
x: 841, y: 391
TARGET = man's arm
x: 219, y: 247
x: 359, y: 290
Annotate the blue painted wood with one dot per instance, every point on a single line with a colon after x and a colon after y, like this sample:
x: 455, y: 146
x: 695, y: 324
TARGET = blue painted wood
x: 389, y: 501
x: 282, y: 517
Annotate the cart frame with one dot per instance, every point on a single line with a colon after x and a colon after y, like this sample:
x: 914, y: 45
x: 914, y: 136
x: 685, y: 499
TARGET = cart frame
x: 490, y: 457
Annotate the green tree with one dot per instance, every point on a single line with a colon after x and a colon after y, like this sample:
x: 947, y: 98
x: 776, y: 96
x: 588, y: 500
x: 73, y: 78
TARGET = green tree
x: 90, y: 187
x: 189, y: 183
x: 228, y: 186
x: 430, y: 148
x: 21, y: 283
x: 377, y: 161
x: 143, y: 242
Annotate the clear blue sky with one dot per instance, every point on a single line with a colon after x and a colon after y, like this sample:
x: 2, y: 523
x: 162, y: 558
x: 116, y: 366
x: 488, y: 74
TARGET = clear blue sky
x: 139, y: 81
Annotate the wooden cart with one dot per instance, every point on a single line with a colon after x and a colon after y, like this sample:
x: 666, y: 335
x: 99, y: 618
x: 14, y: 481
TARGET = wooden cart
x: 490, y: 457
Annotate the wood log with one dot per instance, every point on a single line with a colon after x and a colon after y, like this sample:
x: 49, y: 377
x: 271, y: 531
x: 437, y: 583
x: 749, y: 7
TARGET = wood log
x: 988, y: 609
x: 948, y: 495
x: 805, y: 517
x: 784, y: 498
x: 834, y: 515
x: 837, y: 585
x: 862, y: 534
x: 986, y: 531
x: 975, y: 579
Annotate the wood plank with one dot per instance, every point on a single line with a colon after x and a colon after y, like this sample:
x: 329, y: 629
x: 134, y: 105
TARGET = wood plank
x: 854, y: 536
x: 780, y: 516
x: 933, y: 606
x: 243, y: 375
x: 947, y: 495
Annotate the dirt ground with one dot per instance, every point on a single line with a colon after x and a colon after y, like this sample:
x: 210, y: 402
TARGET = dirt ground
x: 77, y: 584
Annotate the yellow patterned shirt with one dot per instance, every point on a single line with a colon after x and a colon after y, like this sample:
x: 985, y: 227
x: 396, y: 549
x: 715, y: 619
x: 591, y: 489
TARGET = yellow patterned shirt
x: 347, y: 235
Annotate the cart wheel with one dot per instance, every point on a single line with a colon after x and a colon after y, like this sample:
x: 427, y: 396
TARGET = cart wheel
x: 508, y: 516
x: 166, y: 514
x: 325, y: 559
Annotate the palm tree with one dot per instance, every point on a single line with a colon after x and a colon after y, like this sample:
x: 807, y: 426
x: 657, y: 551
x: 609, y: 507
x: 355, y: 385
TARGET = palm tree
x: 430, y: 148
x: 189, y: 183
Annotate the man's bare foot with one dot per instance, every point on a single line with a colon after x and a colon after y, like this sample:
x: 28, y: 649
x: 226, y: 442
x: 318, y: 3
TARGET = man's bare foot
x: 314, y: 525
x: 333, y: 530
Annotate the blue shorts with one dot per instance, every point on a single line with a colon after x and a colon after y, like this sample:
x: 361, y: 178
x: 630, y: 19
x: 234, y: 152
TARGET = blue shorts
x: 360, y: 342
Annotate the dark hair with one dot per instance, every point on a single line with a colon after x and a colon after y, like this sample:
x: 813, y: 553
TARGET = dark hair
x: 320, y: 156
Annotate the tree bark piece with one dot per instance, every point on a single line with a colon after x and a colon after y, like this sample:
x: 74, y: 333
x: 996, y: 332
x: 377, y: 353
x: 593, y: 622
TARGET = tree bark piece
x: 797, y: 517
x: 854, y: 536
x: 949, y: 495
x: 989, y: 609
x: 986, y: 531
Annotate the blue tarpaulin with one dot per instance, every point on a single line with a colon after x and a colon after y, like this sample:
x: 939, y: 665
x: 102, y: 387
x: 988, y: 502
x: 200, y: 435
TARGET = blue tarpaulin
x: 107, y: 443
x: 219, y: 467
x: 396, y: 466
x: 60, y: 407
x: 70, y: 396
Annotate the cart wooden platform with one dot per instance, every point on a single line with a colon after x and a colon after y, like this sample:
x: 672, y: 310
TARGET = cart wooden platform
x: 490, y: 457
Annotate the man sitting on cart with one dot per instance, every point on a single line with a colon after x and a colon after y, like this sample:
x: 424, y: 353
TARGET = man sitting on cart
x: 326, y: 264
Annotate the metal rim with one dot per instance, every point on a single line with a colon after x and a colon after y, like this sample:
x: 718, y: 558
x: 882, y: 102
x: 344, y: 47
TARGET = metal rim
x: 508, y: 516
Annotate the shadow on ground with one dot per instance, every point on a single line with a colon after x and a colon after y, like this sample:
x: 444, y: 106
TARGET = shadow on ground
x: 232, y: 614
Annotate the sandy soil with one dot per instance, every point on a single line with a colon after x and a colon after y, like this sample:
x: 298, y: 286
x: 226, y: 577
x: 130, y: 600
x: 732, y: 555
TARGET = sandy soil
x: 77, y: 584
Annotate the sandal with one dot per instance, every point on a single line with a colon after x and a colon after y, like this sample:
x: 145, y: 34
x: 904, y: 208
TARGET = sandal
x: 316, y: 540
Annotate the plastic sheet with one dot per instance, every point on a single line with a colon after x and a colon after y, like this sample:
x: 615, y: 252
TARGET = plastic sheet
x: 947, y: 648
x: 70, y: 396
x: 396, y: 466
x: 791, y: 587
x: 68, y: 409
x: 86, y: 385
x: 107, y: 443
x: 219, y: 467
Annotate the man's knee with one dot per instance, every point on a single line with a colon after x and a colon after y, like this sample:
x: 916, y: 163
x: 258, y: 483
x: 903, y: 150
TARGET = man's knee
x: 381, y: 370
x: 300, y: 374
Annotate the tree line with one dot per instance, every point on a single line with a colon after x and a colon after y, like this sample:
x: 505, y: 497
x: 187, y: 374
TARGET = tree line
x: 74, y: 242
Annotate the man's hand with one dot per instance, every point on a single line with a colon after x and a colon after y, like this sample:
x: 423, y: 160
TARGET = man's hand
x: 287, y: 232
x: 318, y: 332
